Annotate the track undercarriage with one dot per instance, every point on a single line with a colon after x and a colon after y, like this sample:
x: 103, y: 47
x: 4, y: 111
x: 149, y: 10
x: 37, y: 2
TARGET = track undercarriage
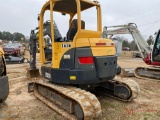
x: 70, y: 102
x: 148, y: 73
x: 75, y: 103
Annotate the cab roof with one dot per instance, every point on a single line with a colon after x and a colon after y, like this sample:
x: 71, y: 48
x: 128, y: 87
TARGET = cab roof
x: 70, y: 7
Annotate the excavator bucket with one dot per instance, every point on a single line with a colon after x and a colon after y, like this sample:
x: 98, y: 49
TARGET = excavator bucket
x: 33, y: 73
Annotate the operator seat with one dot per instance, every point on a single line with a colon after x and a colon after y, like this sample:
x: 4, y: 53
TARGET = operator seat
x: 73, y: 29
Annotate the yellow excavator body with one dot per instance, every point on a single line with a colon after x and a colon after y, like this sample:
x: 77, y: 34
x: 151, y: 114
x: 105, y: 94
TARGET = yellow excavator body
x: 81, y: 60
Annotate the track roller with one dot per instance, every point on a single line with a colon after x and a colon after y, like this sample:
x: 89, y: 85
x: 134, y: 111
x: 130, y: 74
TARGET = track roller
x: 123, y: 89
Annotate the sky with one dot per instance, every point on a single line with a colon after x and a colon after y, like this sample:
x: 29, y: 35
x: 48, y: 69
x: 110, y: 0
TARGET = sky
x: 21, y: 15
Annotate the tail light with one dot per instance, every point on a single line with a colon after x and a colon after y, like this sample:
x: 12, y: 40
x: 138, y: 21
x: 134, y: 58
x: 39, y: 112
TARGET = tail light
x: 99, y: 44
x: 86, y: 60
x: 105, y: 44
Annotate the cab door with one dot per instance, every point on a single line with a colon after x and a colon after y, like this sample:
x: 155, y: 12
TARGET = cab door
x: 156, y: 49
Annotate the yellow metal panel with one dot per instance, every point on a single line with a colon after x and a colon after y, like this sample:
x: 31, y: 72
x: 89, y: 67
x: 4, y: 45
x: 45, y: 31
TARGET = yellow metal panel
x: 52, y: 32
x: 60, y: 48
x: 82, y: 42
x: 88, y: 34
x: 72, y: 77
x: 56, y: 63
x: 57, y: 47
x: 2, y: 55
x: 56, y: 57
x: 1, y: 52
x: 40, y: 24
x: 103, y: 51
x: 93, y: 41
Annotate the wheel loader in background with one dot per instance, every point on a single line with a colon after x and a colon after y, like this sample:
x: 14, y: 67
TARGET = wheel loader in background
x: 80, y: 62
x: 150, y: 55
x: 4, y: 85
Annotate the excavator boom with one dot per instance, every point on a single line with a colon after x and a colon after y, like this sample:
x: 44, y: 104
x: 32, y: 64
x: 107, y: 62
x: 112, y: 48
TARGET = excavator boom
x: 149, y: 56
x: 132, y: 29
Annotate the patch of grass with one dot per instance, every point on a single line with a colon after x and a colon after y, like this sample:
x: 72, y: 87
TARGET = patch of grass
x: 108, y: 104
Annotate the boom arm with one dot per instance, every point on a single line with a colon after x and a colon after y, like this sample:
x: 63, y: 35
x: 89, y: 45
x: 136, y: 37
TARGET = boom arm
x: 34, y: 38
x: 132, y: 29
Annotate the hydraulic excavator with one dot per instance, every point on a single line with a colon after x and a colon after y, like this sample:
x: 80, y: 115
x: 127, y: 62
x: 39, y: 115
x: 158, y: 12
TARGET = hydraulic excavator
x: 4, y: 85
x: 151, y: 56
x: 80, y: 62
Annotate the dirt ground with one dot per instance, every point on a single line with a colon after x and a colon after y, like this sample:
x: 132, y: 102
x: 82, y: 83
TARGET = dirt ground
x: 21, y: 105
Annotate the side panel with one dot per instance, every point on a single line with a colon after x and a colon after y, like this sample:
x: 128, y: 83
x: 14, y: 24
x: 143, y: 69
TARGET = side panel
x: 56, y: 75
x: 68, y: 59
x: 4, y: 88
x: 106, y: 66
x: 106, y: 49
x: 60, y: 48
x: 103, y: 51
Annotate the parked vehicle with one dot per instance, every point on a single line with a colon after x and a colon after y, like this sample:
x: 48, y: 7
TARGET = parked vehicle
x: 13, y: 49
x: 22, y: 48
x: 136, y: 54
x: 126, y: 49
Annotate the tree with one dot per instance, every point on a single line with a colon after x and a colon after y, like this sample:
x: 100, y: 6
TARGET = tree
x: 9, y: 36
x: 124, y: 40
x: 6, y: 35
x: 0, y: 35
x: 133, y: 46
x: 125, y: 43
x: 150, y: 40
x: 18, y: 36
x: 120, y: 38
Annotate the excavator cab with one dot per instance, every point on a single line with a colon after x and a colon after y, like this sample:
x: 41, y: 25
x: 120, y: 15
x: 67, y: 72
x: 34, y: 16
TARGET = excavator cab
x: 156, y: 49
x: 82, y: 55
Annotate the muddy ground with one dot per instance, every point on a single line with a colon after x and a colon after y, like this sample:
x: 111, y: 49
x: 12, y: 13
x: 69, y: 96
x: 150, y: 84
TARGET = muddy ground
x: 21, y: 105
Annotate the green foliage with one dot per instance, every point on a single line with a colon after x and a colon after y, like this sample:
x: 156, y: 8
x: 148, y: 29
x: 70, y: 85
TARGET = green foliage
x: 9, y: 36
x: 133, y: 46
x: 126, y: 43
x: 1, y: 34
x: 150, y: 40
x: 18, y: 36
